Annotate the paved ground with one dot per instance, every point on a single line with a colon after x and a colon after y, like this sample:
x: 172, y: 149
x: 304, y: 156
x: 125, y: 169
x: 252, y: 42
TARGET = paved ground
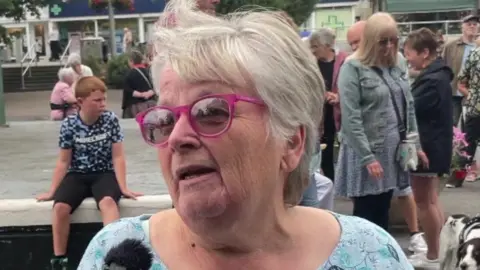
x: 28, y: 151
x: 33, y: 106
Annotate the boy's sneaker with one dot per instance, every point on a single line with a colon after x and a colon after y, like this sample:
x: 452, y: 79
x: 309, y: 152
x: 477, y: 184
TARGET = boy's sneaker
x: 59, y: 263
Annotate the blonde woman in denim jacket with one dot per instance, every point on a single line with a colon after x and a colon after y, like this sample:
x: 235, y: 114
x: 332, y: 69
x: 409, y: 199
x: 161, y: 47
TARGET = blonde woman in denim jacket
x: 367, y: 169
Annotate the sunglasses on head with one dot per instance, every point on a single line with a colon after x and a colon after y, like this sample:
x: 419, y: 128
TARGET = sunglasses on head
x: 210, y: 116
x: 385, y: 41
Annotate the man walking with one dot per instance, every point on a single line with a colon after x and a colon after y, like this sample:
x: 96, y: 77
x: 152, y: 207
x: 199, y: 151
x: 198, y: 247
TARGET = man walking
x: 455, y: 54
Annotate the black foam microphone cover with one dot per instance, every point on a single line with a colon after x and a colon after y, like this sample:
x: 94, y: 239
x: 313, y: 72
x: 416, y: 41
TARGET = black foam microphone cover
x: 130, y: 254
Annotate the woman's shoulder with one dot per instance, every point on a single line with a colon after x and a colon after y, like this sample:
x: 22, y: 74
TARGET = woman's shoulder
x: 364, y: 245
x: 135, y: 228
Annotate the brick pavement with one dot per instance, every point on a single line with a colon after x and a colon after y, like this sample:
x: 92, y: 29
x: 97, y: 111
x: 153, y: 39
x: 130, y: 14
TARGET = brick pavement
x: 29, y: 150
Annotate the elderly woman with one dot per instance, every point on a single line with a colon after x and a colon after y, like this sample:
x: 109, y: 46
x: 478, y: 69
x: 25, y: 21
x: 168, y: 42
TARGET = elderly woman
x: 377, y: 113
x: 74, y: 62
x: 235, y: 135
x: 432, y: 94
x: 62, y: 99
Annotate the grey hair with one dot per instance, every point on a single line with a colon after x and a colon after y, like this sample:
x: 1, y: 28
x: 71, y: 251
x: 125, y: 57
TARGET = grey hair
x: 64, y: 73
x: 324, y: 36
x: 252, y: 50
x: 74, y: 59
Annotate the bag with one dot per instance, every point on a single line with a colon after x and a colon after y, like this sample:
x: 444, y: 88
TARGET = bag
x: 406, y: 153
x: 148, y: 82
x: 134, y: 109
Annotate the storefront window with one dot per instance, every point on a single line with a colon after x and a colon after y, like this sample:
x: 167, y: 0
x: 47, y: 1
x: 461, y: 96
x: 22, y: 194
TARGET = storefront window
x: 120, y: 25
x: 149, y: 28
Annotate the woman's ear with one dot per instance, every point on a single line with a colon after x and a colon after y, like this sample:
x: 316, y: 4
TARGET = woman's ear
x: 294, y: 150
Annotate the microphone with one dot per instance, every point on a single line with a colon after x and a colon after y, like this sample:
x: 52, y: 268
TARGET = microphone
x: 130, y: 254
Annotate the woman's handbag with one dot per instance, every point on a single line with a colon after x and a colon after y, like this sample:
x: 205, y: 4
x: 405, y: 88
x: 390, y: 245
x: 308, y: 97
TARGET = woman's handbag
x: 406, y: 154
x: 132, y: 110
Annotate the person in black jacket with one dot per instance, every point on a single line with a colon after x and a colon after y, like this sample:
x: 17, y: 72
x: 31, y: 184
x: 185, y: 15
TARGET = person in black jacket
x: 433, y: 108
x: 138, y: 92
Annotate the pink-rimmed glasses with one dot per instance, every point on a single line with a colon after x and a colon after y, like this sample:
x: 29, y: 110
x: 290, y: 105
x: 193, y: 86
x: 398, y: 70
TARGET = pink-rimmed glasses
x: 210, y: 116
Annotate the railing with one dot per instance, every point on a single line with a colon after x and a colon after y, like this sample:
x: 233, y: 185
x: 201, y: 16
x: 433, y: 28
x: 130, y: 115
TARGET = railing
x: 65, y: 52
x: 27, y: 68
x: 448, y: 28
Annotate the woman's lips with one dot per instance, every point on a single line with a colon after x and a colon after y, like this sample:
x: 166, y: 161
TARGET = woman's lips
x: 198, y: 181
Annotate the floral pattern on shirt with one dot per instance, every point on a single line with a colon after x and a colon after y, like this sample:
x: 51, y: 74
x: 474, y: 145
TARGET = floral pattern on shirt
x: 470, y: 75
x: 362, y: 246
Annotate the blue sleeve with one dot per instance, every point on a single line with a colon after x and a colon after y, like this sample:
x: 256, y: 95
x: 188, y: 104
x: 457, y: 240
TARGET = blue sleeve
x: 117, y: 133
x: 110, y: 236
x: 364, y: 245
x: 352, y: 129
x: 66, y: 135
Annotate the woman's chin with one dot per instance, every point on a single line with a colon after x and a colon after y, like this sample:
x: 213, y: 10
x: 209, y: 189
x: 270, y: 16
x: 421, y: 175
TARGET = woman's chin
x: 202, y: 205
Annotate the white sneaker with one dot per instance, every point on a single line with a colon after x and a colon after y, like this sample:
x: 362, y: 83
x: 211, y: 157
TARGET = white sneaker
x: 417, y: 243
x: 420, y: 261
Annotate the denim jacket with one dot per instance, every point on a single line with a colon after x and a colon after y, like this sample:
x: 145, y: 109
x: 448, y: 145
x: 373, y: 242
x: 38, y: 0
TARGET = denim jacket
x: 364, y: 101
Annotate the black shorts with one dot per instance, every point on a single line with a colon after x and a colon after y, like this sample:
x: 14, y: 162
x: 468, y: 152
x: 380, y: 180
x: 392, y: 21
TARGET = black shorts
x: 75, y: 187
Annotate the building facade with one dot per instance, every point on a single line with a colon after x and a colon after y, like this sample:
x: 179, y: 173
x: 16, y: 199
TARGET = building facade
x: 75, y: 20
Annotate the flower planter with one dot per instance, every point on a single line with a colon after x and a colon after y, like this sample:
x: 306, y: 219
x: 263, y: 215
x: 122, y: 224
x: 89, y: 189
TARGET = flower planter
x: 457, y: 177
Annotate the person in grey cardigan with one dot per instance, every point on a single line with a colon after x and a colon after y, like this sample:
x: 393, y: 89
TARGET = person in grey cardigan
x: 367, y: 169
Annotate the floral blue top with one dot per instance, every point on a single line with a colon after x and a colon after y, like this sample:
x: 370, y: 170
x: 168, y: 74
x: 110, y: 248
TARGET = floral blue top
x: 362, y: 246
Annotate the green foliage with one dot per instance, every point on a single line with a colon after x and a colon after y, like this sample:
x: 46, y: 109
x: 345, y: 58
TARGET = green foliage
x: 299, y: 10
x: 117, y: 69
x: 96, y: 64
x: 18, y: 10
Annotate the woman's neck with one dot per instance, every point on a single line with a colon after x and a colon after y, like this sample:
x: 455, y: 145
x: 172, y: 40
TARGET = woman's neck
x: 268, y: 232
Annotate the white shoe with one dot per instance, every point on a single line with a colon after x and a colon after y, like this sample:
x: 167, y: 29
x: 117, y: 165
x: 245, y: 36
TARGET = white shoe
x: 417, y: 243
x: 420, y: 261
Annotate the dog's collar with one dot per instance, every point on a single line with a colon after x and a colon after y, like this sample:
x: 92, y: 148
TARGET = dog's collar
x: 473, y: 223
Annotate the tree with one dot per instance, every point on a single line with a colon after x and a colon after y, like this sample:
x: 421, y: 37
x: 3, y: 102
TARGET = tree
x: 18, y: 10
x: 299, y: 10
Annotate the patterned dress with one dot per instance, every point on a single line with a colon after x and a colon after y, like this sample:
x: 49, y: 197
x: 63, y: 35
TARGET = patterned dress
x: 362, y: 246
x: 352, y: 178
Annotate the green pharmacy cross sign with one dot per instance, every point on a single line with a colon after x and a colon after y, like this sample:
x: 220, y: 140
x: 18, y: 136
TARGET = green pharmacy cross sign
x: 333, y: 23
x: 56, y: 9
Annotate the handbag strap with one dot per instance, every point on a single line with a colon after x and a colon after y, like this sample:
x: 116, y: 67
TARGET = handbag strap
x: 401, y: 122
x: 145, y: 78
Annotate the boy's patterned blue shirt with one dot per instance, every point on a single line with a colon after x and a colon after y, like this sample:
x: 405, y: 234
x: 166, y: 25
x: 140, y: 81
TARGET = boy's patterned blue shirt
x: 91, y: 144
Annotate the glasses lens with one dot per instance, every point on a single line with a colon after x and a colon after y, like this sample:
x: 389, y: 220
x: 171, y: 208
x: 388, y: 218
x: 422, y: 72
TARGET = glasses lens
x: 157, y: 125
x: 385, y: 41
x: 210, y: 116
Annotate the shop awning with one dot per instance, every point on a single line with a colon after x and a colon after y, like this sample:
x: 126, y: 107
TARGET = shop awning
x: 417, y: 6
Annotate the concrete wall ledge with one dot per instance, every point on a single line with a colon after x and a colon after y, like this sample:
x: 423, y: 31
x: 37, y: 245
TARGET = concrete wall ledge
x: 29, y: 212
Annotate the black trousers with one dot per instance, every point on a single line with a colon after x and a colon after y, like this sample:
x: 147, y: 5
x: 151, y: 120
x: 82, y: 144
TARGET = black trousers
x: 55, y: 49
x: 328, y: 155
x: 457, y: 109
x: 374, y: 208
x: 472, y: 135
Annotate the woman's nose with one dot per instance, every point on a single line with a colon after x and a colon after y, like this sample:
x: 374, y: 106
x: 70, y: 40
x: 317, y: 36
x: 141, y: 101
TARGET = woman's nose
x: 183, y: 137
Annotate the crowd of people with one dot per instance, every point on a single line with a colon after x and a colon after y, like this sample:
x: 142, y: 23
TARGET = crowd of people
x: 242, y: 143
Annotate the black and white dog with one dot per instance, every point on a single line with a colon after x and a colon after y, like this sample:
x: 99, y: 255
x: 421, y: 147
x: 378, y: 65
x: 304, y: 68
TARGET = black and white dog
x: 460, y: 243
